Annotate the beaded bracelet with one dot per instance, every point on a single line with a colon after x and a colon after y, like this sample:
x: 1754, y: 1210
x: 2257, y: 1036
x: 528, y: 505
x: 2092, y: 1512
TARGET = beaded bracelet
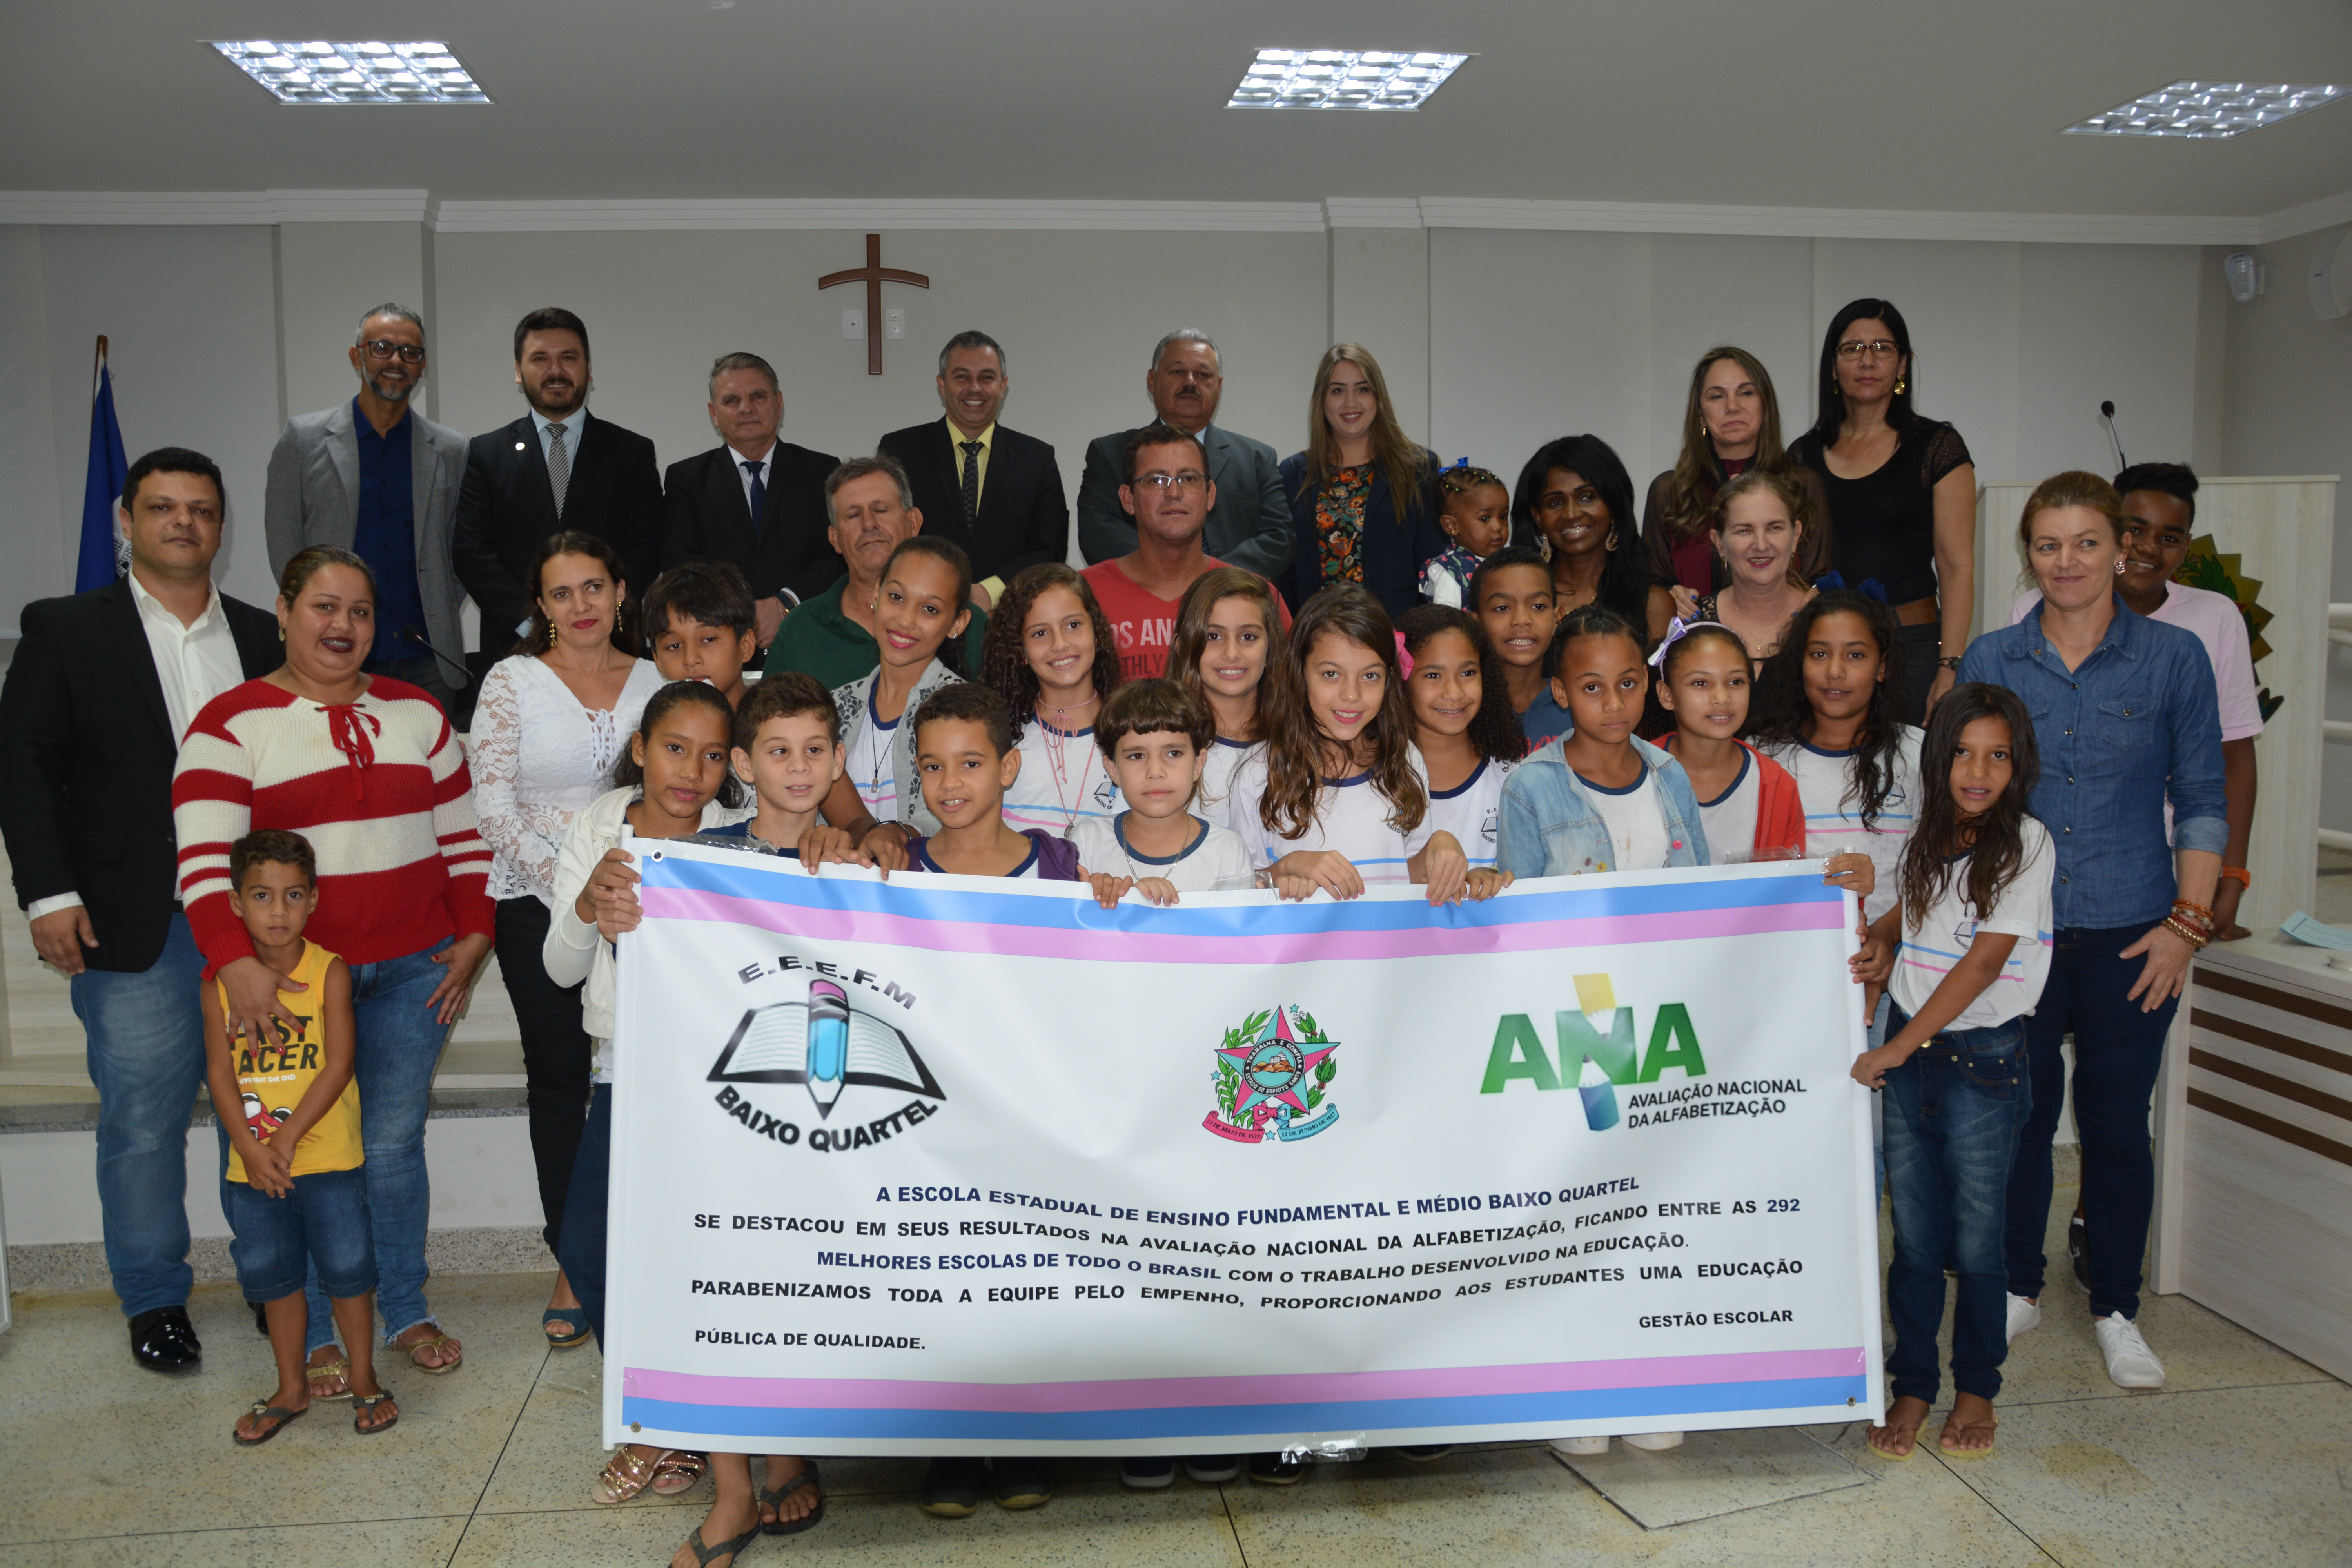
x: 2196, y: 913
x: 2196, y: 939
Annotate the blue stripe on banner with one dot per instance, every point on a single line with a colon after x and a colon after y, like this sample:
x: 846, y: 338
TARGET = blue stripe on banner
x: 790, y: 885
x: 1370, y: 1414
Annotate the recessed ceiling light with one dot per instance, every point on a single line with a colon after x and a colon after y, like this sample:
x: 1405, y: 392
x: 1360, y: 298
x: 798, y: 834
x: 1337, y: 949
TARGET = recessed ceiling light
x: 1341, y: 78
x: 2206, y: 110
x: 366, y: 71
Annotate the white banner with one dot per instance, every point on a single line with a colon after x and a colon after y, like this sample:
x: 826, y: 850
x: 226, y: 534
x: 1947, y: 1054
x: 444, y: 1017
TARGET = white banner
x: 962, y: 1166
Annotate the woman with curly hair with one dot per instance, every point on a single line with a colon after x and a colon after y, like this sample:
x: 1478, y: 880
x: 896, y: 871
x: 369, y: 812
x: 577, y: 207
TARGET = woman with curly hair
x: 1051, y: 654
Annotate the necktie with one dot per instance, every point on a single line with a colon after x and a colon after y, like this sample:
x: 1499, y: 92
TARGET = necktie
x: 759, y: 495
x: 971, y: 479
x: 559, y: 466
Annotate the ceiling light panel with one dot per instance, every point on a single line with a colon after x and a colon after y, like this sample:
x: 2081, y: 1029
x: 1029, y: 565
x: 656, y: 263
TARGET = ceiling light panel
x: 366, y: 71
x: 1341, y: 78
x: 2208, y: 111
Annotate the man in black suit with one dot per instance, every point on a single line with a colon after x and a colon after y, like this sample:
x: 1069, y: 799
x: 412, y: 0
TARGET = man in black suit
x: 557, y: 467
x: 994, y: 492
x: 753, y: 499
x: 100, y: 691
x: 1250, y: 525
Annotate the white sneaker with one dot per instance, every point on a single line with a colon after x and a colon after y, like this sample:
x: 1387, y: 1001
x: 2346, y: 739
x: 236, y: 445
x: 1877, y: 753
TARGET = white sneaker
x: 1580, y: 1447
x: 2023, y: 1315
x: 2129, y: 1361
x: 1655, y: 1442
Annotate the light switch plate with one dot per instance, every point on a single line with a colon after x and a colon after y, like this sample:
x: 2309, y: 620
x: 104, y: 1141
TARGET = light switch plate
x: 893, y: 323
x: 853, y: 323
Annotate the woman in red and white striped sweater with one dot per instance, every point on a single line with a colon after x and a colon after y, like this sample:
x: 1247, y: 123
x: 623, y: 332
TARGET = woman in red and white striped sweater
x: 367, y: 769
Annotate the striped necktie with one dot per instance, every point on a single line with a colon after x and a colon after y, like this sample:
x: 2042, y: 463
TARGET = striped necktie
x: 559, y: 466
x: 971, y: 479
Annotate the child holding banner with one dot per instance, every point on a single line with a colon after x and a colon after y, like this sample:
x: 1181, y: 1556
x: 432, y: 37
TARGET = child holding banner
x: 1229, y: 633
x: 921, y: 609
x: 1050, y: 653
x: 1976, y: 913
x: 1155, y: 737
x: 1462, y: 725
x: 788, y: 750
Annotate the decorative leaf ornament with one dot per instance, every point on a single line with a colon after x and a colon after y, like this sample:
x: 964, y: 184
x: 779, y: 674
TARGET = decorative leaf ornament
x: 2205, y: 566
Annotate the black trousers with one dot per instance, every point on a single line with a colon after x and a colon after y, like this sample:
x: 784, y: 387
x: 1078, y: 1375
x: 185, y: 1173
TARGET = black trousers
x: 556, y: 1053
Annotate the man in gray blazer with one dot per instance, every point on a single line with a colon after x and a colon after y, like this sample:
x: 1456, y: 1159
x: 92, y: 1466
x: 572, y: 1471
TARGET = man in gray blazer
x: 375, y: 476
x: 1250, y: 525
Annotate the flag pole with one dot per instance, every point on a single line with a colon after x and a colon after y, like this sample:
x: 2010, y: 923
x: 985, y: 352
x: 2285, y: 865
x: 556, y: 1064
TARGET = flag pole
x: 96, y: 364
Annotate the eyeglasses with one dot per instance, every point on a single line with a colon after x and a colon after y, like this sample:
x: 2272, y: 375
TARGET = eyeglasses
x: 385, y: 348
x: 1187, y: 480
x: 1876, y: 348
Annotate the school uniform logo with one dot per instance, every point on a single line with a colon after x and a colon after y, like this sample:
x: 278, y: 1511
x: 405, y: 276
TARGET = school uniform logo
x: 838, y: 1052
x: 1273, y: 1079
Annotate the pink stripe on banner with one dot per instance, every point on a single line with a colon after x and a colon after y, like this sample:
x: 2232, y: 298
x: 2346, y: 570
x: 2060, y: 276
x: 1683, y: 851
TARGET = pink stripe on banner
x: 1145, y: 947
x: 1269, y: 1388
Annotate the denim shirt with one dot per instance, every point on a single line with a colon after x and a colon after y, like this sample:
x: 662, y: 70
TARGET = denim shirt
x: 2138, y: 721
x: 1550, y: 828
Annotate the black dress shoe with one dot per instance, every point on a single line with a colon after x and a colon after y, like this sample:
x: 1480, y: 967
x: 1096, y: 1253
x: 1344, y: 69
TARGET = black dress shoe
x: 164, y: 1341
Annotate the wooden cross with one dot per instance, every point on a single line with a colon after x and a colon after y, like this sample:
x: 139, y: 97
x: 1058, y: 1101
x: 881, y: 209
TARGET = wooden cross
x: 873, y: 275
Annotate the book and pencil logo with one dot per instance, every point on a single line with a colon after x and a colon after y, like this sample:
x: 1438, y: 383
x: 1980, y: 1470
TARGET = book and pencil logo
x: 1273, y: 1079
x: 825, y: 1045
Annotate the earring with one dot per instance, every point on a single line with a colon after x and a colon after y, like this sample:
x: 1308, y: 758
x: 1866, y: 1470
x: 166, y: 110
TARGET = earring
x: 551, y: 633
x: 281, y: 631
x: 1901, y: 382
x: 1612, y: 539
x: 2119, y: 566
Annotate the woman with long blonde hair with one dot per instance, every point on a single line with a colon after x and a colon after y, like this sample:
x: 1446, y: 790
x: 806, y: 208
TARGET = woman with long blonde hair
x: 1359, y: 493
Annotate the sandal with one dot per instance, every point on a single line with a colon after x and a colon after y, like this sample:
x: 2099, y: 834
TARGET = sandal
x: 730, y: 1550
x: 364, y: 1404
x: 277, y: 1413
x: 434, y: 1340
x: 339, y: 1369
x: 677, y: 1470
x: 773, y: 1497
x: 575, y: 1323
x: 625, y: 1474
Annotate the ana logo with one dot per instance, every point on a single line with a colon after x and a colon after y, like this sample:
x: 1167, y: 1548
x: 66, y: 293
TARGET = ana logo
x: 1594, y: 1063
x: 1273, y: 1075
x: 827, y: 1045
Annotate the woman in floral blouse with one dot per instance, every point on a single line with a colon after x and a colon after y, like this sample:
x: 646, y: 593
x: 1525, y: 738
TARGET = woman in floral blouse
x: 1359, y: 493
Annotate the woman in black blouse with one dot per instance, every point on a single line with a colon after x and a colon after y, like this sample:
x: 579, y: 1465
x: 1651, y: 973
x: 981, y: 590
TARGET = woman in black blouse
x: 1902, y: 494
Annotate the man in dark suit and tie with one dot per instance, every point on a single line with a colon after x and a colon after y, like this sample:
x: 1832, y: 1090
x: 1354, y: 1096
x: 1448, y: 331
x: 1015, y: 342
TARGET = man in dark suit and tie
x: 556, y: 467
x: 100, y: 691
x: 994, y: 492
x: 1250, y: 525
x: 754, y: 501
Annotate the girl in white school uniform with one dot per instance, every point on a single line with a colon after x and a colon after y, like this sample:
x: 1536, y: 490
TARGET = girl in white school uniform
x: 1050, y: 653
x: 921, y: 609
x: 1228, y: 635
x: 1338, y: 799
x: 1463, y: 724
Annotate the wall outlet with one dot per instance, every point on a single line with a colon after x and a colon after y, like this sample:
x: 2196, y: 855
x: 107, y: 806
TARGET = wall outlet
x: 853, y: 323
x: 893, y: 323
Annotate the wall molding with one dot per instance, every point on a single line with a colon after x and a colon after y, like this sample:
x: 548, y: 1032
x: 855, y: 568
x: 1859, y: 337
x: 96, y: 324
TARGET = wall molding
x: 266, y: 207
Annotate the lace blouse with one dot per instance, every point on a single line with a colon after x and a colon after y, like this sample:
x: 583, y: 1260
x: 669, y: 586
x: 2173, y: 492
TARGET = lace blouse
x: 539, y: 757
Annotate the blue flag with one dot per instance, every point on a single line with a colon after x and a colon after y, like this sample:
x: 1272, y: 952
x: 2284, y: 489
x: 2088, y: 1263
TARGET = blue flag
x: 100, y: 564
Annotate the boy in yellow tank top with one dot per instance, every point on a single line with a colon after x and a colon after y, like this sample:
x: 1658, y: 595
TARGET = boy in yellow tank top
x: 291, y: 1114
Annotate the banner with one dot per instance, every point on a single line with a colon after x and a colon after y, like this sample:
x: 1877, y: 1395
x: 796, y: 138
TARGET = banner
x: 953, y: 1165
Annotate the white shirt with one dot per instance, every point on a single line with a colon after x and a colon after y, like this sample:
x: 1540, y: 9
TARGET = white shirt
x: 1062, y: 781
x: 1215, y: 860
x: 763, y: 463
x: 1635, y: 819
x: 1225, y: 759
x: 1729, y: 819
x: 539, y: 757
x: 2023, y: 910
x: 1834, y: 811
x: 575, y: 425
x: 1351, y: 816
x: 1471, y: 810
x: 195, y: 664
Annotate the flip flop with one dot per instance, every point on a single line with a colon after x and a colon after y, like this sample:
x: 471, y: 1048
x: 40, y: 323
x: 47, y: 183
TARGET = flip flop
x: 433, y: 1340
x: 366, y: 1404
x: 774, y: 1496
x: 730, y: 1550
x: 1984, y: 1453
x: 1875, y: 1452
x: 277, y: 1413
x: 574, y: 1316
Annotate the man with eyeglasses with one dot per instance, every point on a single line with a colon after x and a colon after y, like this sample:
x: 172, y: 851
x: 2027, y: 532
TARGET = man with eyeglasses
x: 1168, y: 497
x: 375, y: 476
x: 1248, y: 521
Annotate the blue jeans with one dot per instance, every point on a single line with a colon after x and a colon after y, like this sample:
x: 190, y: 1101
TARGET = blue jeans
x: 1953, y: 1112
x: 321, y: 1226
x: 397, y: 1043
x: 579, y: 1248
x: 147, y: 1058
x: 2117, y: 1050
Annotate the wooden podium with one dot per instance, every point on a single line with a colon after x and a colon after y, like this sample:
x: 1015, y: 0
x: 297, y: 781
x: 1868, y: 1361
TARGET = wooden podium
x: 2253, y: 1121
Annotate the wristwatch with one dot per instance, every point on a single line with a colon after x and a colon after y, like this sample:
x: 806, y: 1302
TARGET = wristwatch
x: 1948, y: 661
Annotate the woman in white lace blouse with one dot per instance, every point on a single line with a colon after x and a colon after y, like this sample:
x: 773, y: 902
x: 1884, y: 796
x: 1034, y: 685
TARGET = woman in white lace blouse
x: 552, y: 717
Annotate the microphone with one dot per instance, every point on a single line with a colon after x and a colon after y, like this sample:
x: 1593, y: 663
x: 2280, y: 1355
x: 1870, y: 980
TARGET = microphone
x: 2113, y: 437
x: 413, y: 635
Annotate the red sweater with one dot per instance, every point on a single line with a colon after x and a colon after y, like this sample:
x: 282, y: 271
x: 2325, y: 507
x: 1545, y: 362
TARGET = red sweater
x: 1779, y: 812
x: 379, y: 788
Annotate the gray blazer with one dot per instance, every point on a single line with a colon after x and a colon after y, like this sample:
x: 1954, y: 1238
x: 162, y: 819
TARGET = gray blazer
x: 313, y: 498
x: 1249, y: 527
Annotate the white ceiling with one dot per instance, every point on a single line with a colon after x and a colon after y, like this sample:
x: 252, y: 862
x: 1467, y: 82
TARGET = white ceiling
x: 1808, y: 103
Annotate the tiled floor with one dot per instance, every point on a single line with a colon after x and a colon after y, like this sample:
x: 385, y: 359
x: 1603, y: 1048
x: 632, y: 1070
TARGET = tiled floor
x: 2243, y: 1458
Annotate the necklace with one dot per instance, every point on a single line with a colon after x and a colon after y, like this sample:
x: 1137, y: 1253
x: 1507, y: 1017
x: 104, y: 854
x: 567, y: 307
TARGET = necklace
x: 1056, y: 741
x: 877, y: 745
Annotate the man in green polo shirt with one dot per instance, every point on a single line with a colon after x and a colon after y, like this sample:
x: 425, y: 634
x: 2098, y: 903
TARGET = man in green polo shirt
x: 869, y: 512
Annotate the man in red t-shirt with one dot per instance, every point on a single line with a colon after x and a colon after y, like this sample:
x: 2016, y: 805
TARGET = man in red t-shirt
x: 1168, y: 491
